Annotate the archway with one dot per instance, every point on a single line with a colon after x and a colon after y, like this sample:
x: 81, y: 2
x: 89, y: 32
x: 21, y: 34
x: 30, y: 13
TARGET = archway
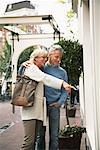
x: 26, y: 41
x: 22, y: 41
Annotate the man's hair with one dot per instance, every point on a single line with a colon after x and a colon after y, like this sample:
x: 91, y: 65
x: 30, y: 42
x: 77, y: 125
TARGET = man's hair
x: 37, y: 52
x: 55, y: 47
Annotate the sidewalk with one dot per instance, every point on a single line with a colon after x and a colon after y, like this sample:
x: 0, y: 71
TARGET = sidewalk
x: 11, y: 128
x: 12, y: 137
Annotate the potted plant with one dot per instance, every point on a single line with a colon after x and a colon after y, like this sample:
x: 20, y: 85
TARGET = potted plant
x: 70, y: 137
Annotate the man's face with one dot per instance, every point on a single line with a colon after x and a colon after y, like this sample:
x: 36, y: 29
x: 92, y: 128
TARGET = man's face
x: 40, y: 61
x: 55, y: 57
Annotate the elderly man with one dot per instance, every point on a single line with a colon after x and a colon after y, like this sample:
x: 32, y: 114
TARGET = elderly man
x: 54, y: 98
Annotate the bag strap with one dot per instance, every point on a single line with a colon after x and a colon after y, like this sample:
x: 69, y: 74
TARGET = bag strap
x: 21, y: 70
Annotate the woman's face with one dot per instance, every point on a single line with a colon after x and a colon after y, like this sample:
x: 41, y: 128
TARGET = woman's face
x: 40, y: 61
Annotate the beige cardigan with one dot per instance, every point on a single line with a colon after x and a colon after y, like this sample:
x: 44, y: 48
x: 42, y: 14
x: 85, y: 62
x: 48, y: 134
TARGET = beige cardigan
x: 37, y: 111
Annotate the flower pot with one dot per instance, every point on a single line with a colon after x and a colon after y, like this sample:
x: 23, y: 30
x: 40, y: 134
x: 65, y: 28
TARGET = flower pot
x: 71, y: 112
x: 70, y: 143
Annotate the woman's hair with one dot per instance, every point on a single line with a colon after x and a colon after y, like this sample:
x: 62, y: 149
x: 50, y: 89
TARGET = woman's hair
x: 38, y: 52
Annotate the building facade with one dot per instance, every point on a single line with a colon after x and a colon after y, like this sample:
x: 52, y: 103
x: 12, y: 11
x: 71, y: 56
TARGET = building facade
x: 89, y: 34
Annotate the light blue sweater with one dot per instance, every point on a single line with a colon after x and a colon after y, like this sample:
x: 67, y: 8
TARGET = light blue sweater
x: 51, y: 94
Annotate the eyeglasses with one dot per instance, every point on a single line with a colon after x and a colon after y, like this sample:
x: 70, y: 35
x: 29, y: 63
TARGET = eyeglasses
x: 41, y: 57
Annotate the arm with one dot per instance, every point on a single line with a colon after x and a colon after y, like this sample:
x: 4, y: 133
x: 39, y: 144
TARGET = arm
x: 63, y: 95
x: 36, y: 74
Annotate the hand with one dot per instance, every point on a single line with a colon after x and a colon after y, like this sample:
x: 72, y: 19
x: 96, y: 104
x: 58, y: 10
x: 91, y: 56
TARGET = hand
x: 27, y: 63
x: 67, y: 86
x: 55, y: 104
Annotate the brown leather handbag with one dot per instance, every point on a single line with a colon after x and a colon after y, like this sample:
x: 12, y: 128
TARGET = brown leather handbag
x: 23, y: 94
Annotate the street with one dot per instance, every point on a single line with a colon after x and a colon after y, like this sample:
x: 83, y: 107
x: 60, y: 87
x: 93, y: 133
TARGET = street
x: 11, y: 128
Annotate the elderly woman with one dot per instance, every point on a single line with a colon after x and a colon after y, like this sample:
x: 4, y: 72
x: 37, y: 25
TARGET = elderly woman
x: 34, y: 116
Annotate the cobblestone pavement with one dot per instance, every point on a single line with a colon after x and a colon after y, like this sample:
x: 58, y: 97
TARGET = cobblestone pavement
x: 11, y: 128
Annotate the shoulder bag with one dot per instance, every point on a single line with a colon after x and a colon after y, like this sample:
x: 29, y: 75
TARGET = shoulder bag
x: 23, y: 94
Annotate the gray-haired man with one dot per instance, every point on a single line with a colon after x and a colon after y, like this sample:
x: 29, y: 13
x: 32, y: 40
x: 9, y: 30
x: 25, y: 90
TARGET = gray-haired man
x: 55, y: 98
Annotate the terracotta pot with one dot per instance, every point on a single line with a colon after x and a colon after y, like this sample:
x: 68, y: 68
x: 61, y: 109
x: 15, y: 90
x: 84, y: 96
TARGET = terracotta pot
x: 70, y: 143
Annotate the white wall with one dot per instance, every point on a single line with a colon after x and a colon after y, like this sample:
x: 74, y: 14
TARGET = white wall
x: 89, y: 36
x: 95, y: 41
